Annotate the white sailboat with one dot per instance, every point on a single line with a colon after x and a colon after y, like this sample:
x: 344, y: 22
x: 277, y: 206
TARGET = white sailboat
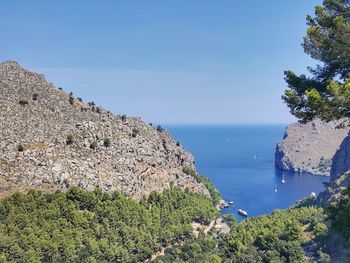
x: 283, y: 181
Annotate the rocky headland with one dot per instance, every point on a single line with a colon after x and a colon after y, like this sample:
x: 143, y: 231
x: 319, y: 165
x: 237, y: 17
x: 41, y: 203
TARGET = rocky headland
x: 51, y: 140
x: 310, y: 147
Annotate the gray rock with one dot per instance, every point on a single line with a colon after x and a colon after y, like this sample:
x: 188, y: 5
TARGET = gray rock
x: 135, y: 166
x: 309, y: 147
x: 341, y: 159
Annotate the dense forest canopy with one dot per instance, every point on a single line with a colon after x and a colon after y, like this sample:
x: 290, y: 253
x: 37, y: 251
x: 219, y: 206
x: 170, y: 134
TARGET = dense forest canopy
x: 81, y: 226
x: 326, y: 94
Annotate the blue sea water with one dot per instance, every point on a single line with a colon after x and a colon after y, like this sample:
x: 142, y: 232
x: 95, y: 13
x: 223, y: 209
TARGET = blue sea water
x: 239, y: 160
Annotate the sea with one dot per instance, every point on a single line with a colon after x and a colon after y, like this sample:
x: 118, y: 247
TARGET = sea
x: 239, y: 160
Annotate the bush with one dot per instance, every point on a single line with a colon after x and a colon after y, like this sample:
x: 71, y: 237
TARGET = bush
x: 214, y: 193
x: 70, y: 139
x: 159, y: 128
x: 71, y: 100
x: 23, y: 102
x: 135, y: 132
x: 324, y: 164
x: 20, y: 148
x: 80, y: 99
x: 107, y: 142
x: 35, y: 96
x: 178, y: 143
x: 91, y: 103
x: 123, y: 117
x: 93, y: 145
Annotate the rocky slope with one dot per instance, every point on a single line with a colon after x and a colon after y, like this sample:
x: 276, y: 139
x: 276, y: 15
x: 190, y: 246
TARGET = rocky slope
x: 51, y: 140
x: 309, y: 147
x: 340, y: 175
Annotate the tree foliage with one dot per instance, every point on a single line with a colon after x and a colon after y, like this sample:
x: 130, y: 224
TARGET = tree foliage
x: 326, y: 93
x: 80, y: 226
x: 278, y: 237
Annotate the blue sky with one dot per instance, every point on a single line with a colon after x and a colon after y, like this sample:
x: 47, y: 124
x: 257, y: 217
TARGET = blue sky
x: 168, y: 61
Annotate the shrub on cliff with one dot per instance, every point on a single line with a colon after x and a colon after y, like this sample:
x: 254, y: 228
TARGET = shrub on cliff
x: 71, y: 100
x: 339, y: 213
x: 106, y: 142
x: 20, y: 148
x: 93, y: 145
x: 135, y: 132
x: 23, y: 102
x: 214, y: 193
x: 70, y: 139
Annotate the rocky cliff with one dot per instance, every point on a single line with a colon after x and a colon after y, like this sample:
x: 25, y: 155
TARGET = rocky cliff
x: 341, y: 160
x: 51, y: 140
x: 309, y: 147
x: 340, y: 175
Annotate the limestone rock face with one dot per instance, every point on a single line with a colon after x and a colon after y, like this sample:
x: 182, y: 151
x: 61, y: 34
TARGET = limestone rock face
x: 341, y: 159
x: 50, y: 140
x: 309, y: 147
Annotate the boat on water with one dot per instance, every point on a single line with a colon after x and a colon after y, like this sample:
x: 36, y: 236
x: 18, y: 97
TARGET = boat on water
x: 242, y: 212
x: 283, y: 181
x: 231, y: 202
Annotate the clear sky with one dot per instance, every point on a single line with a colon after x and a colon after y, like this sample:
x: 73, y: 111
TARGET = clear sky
x: 168, y: 61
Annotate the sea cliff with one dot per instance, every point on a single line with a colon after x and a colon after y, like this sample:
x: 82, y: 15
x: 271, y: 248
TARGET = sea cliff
x: 309, y: 147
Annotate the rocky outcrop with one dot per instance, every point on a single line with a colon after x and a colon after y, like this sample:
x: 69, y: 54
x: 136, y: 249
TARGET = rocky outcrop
x: 334, y: 191
x: 309, y: 147
x: 341, y: 160
x: 51, y: 140
x: 340, y: 175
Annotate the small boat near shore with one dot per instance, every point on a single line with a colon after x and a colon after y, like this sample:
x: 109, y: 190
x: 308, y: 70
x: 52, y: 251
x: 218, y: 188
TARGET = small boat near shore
x: 283, y: 181
x: 242, y: 212
x: 231, y: 202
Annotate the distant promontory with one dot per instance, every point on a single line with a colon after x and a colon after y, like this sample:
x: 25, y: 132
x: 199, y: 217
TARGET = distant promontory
x: 309, y: 148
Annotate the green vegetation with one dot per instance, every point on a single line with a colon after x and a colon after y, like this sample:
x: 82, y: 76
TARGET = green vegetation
x: 135, y: 132
x: 124, y: 117
x: 202, y: 250
x: 35, y: 96
x: 107, y: 142
x: 324, y: 164
x: 93, y: 145
x: 20, y: 148
x: 273, y: 238
x: 70, y: 139
x: 159, y: 128
x: 326, y: 93
x: 214, y: 193
x: 278, y: 237
x: 80, y: 226
x: 71, y: 100
x: 339, y: 214
x: 23, y: 102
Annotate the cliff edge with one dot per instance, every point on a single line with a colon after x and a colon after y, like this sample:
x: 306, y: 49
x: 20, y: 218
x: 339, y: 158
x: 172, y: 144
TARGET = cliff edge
x: 51, y: 140
x: 309, y: 147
